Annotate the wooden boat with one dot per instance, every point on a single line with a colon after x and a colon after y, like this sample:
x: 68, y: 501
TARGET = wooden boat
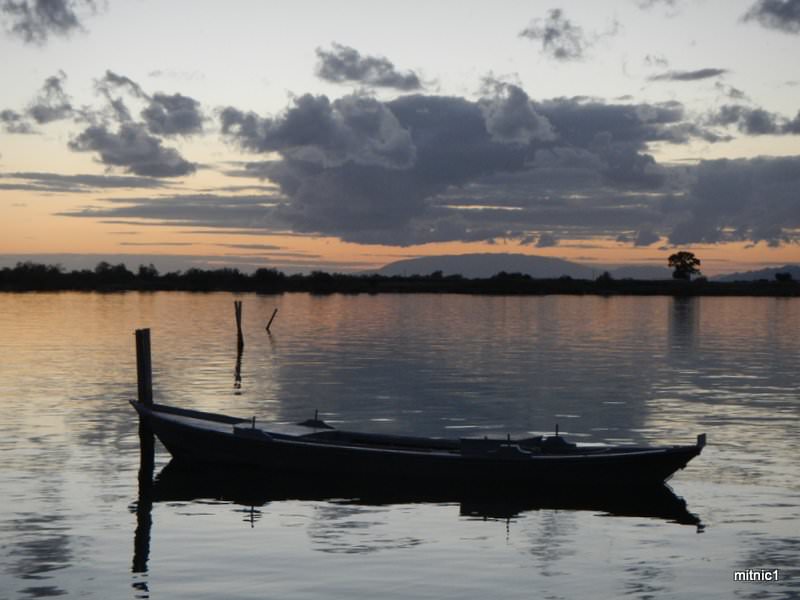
x: 316, y: 450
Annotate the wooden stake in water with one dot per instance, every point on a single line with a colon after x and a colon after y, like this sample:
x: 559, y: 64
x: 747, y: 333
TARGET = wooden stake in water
x: 237, y: 307
x: 144, y: 368
x: 272, y: 318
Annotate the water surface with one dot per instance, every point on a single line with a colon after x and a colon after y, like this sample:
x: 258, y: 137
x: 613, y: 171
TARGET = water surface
x: 614, y: 370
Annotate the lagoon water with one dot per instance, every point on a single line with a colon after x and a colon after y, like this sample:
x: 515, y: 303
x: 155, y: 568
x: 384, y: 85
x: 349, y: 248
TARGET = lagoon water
x: 615, y: 370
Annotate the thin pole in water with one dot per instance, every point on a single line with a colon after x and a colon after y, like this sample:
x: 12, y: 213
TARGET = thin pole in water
x: 144, y: 367
x: 237, y: 307
x: 272, y: 318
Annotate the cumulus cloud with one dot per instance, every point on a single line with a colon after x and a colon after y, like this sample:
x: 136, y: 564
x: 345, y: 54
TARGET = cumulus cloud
x: 754, y: 121
x: 36, y: 20
x: 746, y: 199
x: 501, y: 167
x: 174, y: 114
x: 13, y: 122
x: 52, y: 103
x: 511, y: 117
x: 783, y: 15
x: 697, y: 75
x: 560, y: 38
x: 355, y: 128
x: 121, y: 140
x: 132, y: 148
x: 343, y: 64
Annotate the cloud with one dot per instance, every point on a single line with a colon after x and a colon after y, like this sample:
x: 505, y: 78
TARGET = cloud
x: 426, y: 168
x: 173, y: 115
x: 511, y: 117
x: 783, y: 15
x: 52, y: 103
x: 793, y: 126
x: 697, y: 75
x: 502, y: 167
x: 13, y: 122
x: 35, y: 20
x: 134, y: 149
x: 656, y: 60
x: 646, y: 237
x: 137, y: 146
x: 745, y: 199
x: 355, y: 128
x: 343, y: 64
x: 56, y: 182
x: 561, y: 39
x: 754, y: 121
x: 252, y: 212
x: 546, y: 240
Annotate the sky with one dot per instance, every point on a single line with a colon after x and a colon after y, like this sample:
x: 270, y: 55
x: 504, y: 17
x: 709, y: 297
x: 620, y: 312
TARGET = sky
x: 343, y: 136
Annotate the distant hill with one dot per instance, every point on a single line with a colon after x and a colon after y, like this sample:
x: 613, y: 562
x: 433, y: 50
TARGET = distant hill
x: 485, y: 265
x: 475, y: 266
x: 768, y: 274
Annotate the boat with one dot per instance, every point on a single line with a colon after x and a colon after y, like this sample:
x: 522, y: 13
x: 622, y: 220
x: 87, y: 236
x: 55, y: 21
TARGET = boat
x: 321, y: 453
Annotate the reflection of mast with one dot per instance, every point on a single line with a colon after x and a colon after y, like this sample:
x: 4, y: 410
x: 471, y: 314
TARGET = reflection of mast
x: 237, y: 373
x: 144, y: 504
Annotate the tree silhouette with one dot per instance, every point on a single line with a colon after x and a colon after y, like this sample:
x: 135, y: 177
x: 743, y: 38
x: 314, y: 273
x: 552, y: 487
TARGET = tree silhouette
x: 684, y: 265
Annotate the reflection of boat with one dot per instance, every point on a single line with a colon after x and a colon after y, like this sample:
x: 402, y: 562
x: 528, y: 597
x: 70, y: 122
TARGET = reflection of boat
x: 241, y: 485
x: 315, y: 450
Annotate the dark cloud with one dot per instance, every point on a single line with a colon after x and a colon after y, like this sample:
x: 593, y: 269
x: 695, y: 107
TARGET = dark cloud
x: 56, y: 182
x: 560, y: 38
x: 52, y: 102
x: 355, y: 128
x: 208, y: 210
x: 512, y: 159
x: 13, y: 122
x: 511, y: 117
x: 747, y: 199
x: 35, y: 20
x: 546, y: 240
x: 137, y: 146
x: 646, y: 237
x: 173, y: 115
x: 134, y: 149
x: 754, y: 121
x: 793, y: 126
x: 688, y: 75
x: 783, y: 15
x: 343, y: 64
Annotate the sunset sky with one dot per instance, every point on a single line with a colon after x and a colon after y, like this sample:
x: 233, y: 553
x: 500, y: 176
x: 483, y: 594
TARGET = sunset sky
x: 345, y: 135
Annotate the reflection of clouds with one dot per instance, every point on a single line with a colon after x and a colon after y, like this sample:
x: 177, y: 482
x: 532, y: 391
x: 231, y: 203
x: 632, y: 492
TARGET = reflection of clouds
x: 36, y: 546
x: 554, y: 541
x: 349, y: 529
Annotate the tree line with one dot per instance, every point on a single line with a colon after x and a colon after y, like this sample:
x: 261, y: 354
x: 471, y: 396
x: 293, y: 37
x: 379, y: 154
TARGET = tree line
x: 29, y: 276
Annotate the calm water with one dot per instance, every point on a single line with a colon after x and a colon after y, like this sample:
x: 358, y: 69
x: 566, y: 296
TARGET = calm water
x: 619, y: 370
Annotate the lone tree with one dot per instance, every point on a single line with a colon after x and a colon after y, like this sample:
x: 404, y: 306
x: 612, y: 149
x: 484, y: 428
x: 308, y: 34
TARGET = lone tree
x: 684, y: 264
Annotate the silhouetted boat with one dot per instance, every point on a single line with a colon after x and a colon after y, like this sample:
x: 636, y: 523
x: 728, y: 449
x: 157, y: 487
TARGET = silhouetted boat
x: 315, y: 450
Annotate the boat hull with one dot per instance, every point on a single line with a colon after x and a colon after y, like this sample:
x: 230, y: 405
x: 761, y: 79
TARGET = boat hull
x: 225, y: 444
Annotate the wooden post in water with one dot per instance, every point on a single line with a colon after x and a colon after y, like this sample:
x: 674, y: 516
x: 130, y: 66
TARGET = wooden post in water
x: 237, y: 307
x: 272, y: 318
x: 144, y: 506
x: 144, y: 367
